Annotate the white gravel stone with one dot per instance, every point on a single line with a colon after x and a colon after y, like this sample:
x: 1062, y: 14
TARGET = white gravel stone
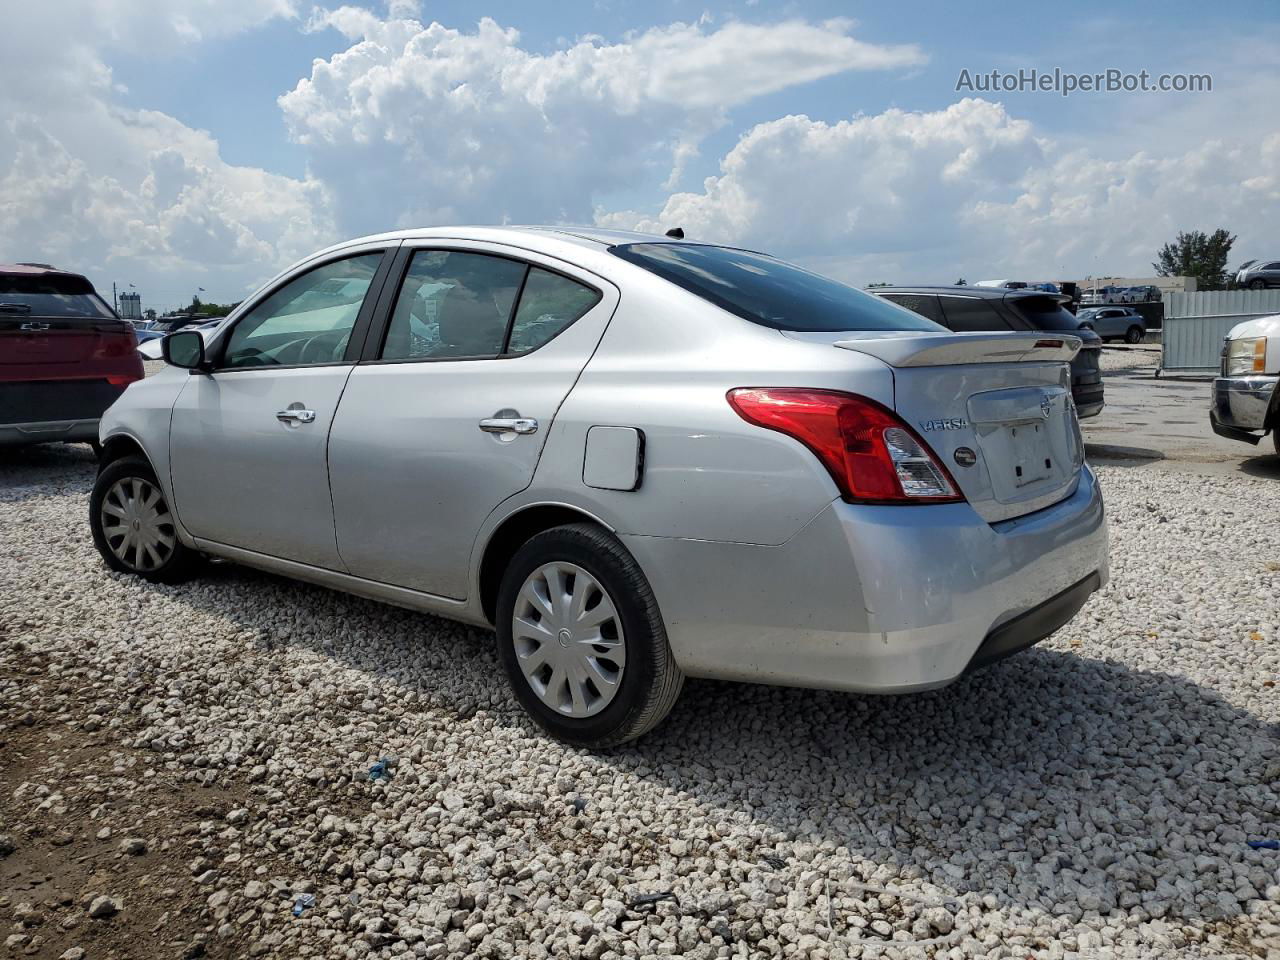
x: 1095, y: 795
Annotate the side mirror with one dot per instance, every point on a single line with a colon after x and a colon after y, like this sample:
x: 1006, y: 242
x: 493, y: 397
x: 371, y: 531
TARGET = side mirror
x: 183, y: 349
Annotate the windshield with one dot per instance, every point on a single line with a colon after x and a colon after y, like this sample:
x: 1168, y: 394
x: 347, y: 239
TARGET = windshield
x: 768, y: 291
x: 50, y: 296
x: 1046, y: 313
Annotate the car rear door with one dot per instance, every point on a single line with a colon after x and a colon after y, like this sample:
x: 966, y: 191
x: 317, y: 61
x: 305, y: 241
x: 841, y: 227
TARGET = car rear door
x: 248, y: 439
x: 475, y: 348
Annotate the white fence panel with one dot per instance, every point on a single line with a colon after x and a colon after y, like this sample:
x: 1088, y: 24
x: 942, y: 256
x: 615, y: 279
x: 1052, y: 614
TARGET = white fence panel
x: 1195, y: 325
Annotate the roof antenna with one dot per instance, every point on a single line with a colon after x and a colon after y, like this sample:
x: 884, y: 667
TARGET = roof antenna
x: 676, y: 233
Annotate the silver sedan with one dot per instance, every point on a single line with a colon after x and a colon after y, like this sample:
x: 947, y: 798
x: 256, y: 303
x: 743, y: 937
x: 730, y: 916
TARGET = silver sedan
x: 639, y: 459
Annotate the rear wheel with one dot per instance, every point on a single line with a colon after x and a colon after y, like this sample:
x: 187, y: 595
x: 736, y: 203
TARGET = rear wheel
x: 132, y: 525
x: 581, y: 638
x: 1134, y: 334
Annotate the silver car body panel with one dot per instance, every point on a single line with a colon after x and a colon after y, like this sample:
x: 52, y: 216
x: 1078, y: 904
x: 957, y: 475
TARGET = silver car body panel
x: 868, y: 598
x: 760, y: 570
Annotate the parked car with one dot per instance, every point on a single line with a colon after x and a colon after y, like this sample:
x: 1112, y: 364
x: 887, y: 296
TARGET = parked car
x: 1114, y: 323
x: 1258, y: 275
x: 638, y: 458
x: 1246, y: 403
x: 1142, y: 293
x: 144, y: 332
x: 988, y: 309
x: 64, y: 356
x: 1100, y: 295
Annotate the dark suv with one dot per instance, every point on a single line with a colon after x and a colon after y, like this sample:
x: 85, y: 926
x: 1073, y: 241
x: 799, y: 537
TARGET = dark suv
x: 64, y: 356
x: 966, y: 309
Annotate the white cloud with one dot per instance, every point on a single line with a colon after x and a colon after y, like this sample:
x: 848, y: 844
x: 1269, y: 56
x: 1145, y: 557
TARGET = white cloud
x: 427, y: 124
x: 969, y: 190
x: 135, y: 195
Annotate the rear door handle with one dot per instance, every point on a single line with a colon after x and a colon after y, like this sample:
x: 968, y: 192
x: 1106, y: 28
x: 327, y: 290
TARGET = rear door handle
x: 297, y: 416
x: 509, y: 425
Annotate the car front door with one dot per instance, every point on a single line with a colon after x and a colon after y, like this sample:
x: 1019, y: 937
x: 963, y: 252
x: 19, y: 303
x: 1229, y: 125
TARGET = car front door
x: 248, y: 437
x: 475, y: 349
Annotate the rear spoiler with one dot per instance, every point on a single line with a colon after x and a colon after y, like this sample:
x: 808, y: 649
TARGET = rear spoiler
x: 943, y: 350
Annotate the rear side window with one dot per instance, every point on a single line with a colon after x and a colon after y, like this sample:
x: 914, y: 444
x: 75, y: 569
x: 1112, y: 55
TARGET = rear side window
x: 51, y: 296
x: 1045, y: 313
x: 925, y: 304
x: 768, y: 291
x: 548, y: 304
x: 453, y: 305
x: 970, y: 314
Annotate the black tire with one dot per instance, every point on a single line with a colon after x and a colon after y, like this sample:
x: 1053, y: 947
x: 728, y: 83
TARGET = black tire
x: 177, y: 563
x: 1134, y: 334
x: 651, y: 680
x: 1257, y: 284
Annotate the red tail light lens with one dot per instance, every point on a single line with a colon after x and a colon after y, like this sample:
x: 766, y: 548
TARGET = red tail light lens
x: 872, y: 455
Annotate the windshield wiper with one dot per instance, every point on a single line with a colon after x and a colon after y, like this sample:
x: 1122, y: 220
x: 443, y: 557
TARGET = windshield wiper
x: 14, y: 308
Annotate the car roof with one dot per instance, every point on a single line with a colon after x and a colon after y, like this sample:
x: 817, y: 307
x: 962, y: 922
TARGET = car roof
x: 34, y: 269
x: 978, y: 293
x: 543, y: 238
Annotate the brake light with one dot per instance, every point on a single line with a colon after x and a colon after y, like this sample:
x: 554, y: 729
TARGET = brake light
x: 122, y: 379
x: 872, y: 455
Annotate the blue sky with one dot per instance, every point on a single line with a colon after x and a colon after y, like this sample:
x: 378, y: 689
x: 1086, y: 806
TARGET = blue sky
x: 219, y: 182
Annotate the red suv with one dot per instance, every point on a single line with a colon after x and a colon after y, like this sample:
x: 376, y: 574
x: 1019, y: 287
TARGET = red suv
x: 64, y: 356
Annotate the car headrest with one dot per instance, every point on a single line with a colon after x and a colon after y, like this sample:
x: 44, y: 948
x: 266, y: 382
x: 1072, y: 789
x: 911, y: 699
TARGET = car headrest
x: 469, y: 324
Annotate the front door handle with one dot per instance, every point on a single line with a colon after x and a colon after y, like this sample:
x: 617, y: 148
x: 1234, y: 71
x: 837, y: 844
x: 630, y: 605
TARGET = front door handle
x: 297, y: 416
x: 509, y: 425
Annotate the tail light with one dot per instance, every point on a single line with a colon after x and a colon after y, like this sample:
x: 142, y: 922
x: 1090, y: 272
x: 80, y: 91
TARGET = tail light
x: 872, y: 455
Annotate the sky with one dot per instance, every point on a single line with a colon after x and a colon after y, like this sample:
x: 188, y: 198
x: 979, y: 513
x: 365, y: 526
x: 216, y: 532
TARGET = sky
x: 173, y: 145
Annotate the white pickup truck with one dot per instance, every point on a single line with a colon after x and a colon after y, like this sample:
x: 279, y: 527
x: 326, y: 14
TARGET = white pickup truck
x: 1246, y: 403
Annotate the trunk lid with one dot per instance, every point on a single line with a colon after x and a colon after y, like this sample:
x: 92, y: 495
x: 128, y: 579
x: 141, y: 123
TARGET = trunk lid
x: 1004, y: 396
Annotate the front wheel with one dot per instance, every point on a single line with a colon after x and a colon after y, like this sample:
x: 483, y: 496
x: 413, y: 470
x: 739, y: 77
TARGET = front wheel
x: 133, y: 527
x: 1134, y: 335
x: 582, y: 640
x: 1257, y: 284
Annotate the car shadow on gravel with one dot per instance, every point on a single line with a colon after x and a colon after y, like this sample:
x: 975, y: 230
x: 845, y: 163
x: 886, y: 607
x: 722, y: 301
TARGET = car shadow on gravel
x: 28, y: 473
x: 1051, y: 767
x: 1045, y: 780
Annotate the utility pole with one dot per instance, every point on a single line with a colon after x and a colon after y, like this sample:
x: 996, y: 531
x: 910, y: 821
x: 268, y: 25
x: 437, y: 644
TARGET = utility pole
x: 115, y: 303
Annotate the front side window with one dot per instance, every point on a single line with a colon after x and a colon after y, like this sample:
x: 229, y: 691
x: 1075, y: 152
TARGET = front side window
x: 768, y: 291
x: 548, y: 304
x: 307, y: 321
x: 453, y: 304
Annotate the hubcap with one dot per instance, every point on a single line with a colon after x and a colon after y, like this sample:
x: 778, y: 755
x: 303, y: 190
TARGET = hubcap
x: 568, y: 639
x: 137, y: 525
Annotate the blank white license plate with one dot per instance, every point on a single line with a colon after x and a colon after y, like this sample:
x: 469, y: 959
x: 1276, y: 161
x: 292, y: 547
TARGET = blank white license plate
x: 1032, y: 459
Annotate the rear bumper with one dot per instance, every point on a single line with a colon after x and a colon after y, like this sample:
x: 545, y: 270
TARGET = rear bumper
x: 53, y: 431
x: 878, y: 599
x: 1240, y: 406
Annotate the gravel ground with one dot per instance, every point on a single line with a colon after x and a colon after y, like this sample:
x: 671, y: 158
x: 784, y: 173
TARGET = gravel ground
x: 1092, y: 797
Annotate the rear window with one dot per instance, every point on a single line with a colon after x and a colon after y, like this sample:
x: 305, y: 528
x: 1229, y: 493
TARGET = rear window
x: 50, y: 296
x: 1045, y: 313
x: 769, y: 292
